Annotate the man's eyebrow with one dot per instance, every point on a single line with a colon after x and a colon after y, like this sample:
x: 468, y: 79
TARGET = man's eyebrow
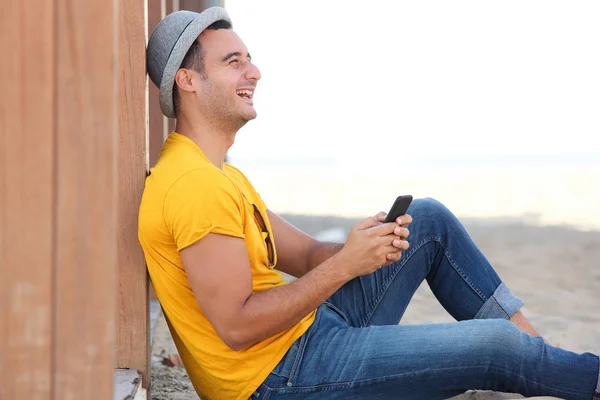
x: 234, y: 54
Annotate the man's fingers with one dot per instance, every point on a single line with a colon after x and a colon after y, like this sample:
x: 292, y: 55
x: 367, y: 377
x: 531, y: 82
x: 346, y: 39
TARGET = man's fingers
x: 392, y: 254
x: 367, y: 223
x: 401, y: 232
x: 404, y: 220
x: 400, y: 244
x: 380, y: 216
x: 384, y: 229
x: 393, y: 257
x: 395, y: 242
x: 392, y: 248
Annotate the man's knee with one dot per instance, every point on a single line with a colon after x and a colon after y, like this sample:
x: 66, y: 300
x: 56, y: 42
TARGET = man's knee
x: 499, y: 340
x: 429, y: 210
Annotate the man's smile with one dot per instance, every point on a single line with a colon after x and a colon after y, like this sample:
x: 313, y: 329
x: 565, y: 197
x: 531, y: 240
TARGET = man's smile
x: 246, y: 94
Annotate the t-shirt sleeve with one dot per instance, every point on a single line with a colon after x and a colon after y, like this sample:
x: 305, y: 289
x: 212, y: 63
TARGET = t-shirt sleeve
x: 200, y: 202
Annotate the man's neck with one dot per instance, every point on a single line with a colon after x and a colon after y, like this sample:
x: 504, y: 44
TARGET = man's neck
x: 213, y: 140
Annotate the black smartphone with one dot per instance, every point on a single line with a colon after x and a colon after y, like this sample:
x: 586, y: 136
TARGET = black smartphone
x: 398, y: 208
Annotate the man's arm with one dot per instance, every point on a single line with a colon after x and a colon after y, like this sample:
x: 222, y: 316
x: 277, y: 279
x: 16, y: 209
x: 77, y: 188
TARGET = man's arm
x: 219, y: 273
x: 297, y: 252
x: 218, y: 270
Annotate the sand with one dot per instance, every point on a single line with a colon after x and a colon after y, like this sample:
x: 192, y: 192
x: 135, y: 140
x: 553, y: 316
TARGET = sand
x: 554, y: 269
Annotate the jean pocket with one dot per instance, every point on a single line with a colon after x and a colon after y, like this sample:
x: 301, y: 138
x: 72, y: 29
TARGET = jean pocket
x: 337, y: 311
x: 289, y: 363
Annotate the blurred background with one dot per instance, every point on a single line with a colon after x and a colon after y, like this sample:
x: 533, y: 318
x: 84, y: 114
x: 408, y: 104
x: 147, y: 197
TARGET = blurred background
x: 490, y: 107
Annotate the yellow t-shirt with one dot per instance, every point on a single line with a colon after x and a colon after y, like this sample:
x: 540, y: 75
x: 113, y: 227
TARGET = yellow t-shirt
x: 185, y: 198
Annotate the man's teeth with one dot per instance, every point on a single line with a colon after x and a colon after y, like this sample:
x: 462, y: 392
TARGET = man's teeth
x: 244, y: 93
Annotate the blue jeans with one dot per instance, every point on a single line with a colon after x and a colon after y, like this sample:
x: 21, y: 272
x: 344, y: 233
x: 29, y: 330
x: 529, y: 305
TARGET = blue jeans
x: 356, y: 350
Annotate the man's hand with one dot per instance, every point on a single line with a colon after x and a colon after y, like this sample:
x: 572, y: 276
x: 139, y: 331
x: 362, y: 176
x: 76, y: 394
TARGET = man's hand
x: 372, y: 244
x: 402, y: 232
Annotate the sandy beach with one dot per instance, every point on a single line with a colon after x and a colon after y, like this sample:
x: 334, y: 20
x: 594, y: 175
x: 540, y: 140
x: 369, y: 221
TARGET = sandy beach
x: 553, y: 268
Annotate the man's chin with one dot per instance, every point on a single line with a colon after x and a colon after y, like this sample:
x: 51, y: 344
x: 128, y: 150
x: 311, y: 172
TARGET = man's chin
x: 249, y: 116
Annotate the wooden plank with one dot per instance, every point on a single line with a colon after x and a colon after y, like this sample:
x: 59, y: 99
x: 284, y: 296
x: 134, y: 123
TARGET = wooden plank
x: 155, y: 115
x: 199, y: 5
x: 192, y: 5
x: 133, y: 338
x: 86, y: 209
x: 26, y: 199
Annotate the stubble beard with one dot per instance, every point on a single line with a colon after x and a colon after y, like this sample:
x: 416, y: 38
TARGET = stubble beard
x: 228, y: 115
x: 225, y: 112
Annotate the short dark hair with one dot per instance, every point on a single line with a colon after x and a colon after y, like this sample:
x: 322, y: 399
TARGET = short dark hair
x: 194, y: 59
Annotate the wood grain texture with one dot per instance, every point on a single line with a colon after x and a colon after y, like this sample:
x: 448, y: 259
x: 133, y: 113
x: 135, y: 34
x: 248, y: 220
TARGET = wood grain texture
x: 26, y: 199
x: 86, y: 209
x: 155, y: 116
x: 199, y: 5
x: 133, y: 338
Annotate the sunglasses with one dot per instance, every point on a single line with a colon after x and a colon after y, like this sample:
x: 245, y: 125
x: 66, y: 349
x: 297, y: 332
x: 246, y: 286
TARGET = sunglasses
x: 263, y: 227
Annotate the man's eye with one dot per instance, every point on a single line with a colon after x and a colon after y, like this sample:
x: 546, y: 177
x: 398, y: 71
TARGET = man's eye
x: 233, y: 62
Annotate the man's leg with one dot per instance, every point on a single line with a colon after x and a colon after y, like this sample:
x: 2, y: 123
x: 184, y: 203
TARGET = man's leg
x: 355, y: 349
x: 337, y: 361
x: 442, y: 252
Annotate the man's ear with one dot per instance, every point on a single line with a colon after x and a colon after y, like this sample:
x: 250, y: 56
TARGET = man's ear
x: 183, y: 78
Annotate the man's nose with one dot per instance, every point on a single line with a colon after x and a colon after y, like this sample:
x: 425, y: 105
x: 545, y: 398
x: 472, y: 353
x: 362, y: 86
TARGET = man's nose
x: 253, y: 72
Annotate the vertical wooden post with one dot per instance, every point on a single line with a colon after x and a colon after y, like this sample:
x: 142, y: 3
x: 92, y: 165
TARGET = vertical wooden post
x: 193, y: 5
x: 27, y: 199
x: 199, y: 5
x: 58, y: 209
x: 133, y: 338
x: 85, y: 245
x: 155, y: 115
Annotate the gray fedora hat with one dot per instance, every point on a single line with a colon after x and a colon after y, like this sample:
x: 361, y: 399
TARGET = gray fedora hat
x: 168, y: 45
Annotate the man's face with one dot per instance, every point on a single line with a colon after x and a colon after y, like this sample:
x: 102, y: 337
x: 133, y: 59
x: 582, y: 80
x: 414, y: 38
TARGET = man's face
x: 226, y: 88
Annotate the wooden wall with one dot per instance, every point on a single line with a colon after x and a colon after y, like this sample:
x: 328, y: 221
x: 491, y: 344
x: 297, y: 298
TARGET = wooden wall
x: 58, y: 191
x: 76, y: 114
x: 133, y: 336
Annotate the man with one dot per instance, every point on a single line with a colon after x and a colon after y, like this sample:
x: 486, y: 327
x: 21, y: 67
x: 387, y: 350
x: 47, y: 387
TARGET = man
x: 211, y: 246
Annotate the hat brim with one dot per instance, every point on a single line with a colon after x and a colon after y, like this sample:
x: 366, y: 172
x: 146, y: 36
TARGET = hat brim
x: 183, y: 44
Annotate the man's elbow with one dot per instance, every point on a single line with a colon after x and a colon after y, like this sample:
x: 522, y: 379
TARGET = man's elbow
x: 236, y: 340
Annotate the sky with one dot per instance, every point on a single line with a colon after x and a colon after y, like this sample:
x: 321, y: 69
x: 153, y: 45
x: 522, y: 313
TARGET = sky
x: 419, y: 82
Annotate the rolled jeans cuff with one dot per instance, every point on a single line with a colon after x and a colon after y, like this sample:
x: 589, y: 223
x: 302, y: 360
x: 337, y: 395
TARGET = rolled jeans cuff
x: 503, y: 304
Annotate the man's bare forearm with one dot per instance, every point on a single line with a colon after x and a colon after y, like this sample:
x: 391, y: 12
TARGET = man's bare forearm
x: 275, y: 310
x: 321, y: 251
